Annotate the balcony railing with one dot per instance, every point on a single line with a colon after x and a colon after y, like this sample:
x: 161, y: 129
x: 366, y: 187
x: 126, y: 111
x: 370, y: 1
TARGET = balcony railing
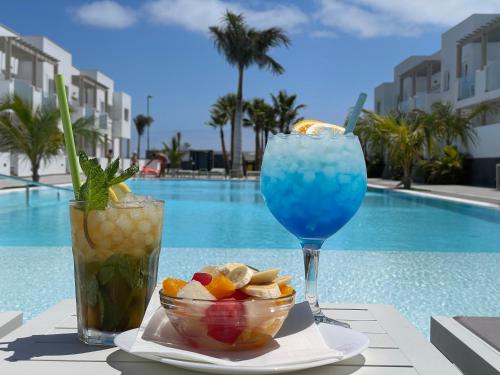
x: 493, y: 76
x: 24, y: 90
x: 49, y: 100
x: 404, y: 106
x: 103, y: 121
x: 466, y: 87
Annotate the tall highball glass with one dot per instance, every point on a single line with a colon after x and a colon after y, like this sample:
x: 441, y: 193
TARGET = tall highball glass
x: 115, y: 253
x: 313, y: 185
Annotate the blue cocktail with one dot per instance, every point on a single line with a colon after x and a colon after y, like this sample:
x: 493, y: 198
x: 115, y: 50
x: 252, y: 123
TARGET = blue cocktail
x: 313, y: 185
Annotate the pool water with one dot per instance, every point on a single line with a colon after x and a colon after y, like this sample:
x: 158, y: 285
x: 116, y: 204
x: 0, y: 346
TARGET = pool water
x: 425, y: 256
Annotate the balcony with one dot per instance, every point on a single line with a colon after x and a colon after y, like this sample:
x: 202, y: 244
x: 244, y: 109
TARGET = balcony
x: 104, y: 121
x: 49, y: 100
x: 493, y: 76
x: 466, y: 87
x: 405, y: 105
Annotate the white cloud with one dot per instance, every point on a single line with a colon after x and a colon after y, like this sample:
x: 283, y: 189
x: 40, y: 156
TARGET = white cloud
x: 198, y: 15
x: 372, y: 18
x: 106, y: 13
x: 323, y: 34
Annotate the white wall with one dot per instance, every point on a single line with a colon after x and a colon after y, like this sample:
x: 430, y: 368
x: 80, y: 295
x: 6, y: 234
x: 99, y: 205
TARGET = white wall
x: 121, y: 126
x: 488, y: 142
x: 5, y: 162
x: 56, y: 165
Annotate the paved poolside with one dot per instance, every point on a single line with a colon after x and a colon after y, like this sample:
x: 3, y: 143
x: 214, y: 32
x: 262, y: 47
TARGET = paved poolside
x: 475, y: 193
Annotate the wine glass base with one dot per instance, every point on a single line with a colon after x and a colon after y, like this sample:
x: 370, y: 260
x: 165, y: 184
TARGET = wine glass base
x: 322, y: 318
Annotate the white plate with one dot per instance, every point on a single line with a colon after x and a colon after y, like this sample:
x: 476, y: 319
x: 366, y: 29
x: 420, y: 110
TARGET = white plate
x: 347, y: 341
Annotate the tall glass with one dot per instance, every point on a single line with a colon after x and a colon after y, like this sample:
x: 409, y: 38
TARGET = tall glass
x: 313, y: 185
x: 115, y: 254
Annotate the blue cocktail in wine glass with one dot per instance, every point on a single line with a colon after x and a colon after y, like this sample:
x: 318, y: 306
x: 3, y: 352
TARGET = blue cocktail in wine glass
x: 313, y: 184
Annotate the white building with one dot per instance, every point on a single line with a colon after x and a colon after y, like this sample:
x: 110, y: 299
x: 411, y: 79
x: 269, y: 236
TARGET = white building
x: 464, y: 72
x: 27, y: 68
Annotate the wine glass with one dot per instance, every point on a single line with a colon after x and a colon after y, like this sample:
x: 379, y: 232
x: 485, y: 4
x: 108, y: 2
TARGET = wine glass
x: 313, y: 185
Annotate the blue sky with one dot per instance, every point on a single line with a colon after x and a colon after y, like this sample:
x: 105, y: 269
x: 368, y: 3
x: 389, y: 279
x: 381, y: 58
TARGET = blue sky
x: 160, y: 48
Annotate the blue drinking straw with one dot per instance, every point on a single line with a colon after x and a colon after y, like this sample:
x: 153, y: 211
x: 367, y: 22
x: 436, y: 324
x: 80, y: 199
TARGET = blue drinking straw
x: 353, y: 119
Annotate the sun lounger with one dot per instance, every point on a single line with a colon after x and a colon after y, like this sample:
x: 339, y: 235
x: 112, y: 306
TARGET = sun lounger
x: 471, y: 343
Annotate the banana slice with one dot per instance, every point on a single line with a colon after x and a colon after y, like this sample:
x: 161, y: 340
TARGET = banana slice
x: 211, y: 270
x: 228, y: 267
x: 283, y: 280
x: 264, y: 277
x: 270, y: 290
x: 240, y: 276
x: 195, y: 290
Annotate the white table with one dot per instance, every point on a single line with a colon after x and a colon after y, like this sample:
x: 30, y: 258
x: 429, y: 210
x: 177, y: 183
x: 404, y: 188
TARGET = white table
x: 49, y: 345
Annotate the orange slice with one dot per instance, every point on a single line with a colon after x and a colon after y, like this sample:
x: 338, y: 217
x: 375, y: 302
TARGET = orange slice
x: 303, y: 125
x: 318, y: 127
x: 221, y: 287
x: 172, y: 286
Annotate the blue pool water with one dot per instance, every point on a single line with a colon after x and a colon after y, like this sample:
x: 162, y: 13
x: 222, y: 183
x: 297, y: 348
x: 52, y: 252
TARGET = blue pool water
x: 425, y: 256
x: 227, y: 214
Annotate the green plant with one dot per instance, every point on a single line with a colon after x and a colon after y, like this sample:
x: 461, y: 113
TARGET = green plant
x: 286, y: 110
x: 176, y: 150
x: 244, y: 46
x: 445, y: 169
x: 35, y: 133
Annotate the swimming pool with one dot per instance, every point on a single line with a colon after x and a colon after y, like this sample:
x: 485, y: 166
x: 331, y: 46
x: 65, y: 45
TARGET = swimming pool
x: 226, y: 214
x: 425, y: 256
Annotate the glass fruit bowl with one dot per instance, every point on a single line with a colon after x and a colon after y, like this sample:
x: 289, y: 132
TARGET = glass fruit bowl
x: 227, y: 324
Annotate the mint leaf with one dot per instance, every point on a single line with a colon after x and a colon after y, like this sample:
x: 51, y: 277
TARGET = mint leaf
x: 111, y: 169
x: 125, y: 175
x: 95, y: 190
x: 89, y: 166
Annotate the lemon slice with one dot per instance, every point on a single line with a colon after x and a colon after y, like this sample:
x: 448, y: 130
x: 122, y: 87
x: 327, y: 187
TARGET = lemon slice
x: 303, y: 125
x: 318, y: 127
x: 117, y: 192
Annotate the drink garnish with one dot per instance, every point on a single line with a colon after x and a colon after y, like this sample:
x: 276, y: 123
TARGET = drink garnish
x: 315, y: 127
x: 95, y: 191
x: 99, y: 186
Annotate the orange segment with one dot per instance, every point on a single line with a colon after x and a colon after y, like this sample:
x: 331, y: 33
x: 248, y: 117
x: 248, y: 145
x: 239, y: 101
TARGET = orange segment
x: 221, y: 287
x: 286, y: 290
x: 303, y: 125
x: 172, y: 286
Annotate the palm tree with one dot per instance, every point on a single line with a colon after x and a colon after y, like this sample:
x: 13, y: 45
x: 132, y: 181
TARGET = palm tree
x: 244, y: 46
x: 218, y: 120
x: 176, y: 150
x: 404, y: 139
x: 36, y: 133
x: 450, y: 125
x: 141, y: 122
x: 259, y: 115
x: 287, y: 111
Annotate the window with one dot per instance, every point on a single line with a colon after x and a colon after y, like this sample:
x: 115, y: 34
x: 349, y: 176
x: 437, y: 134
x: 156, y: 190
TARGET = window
x: 446, y: 81
x: 378, y: 107
x: 125, y: 114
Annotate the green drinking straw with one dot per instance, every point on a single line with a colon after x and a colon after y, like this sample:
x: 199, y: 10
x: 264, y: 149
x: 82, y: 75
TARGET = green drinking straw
x: 68, y: 133
x: 353, y: 119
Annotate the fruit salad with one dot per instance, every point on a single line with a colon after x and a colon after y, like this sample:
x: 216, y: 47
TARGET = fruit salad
x: 228, y: 307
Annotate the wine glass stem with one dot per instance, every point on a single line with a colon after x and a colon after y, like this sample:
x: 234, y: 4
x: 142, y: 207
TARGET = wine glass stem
x: 311, y: 261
